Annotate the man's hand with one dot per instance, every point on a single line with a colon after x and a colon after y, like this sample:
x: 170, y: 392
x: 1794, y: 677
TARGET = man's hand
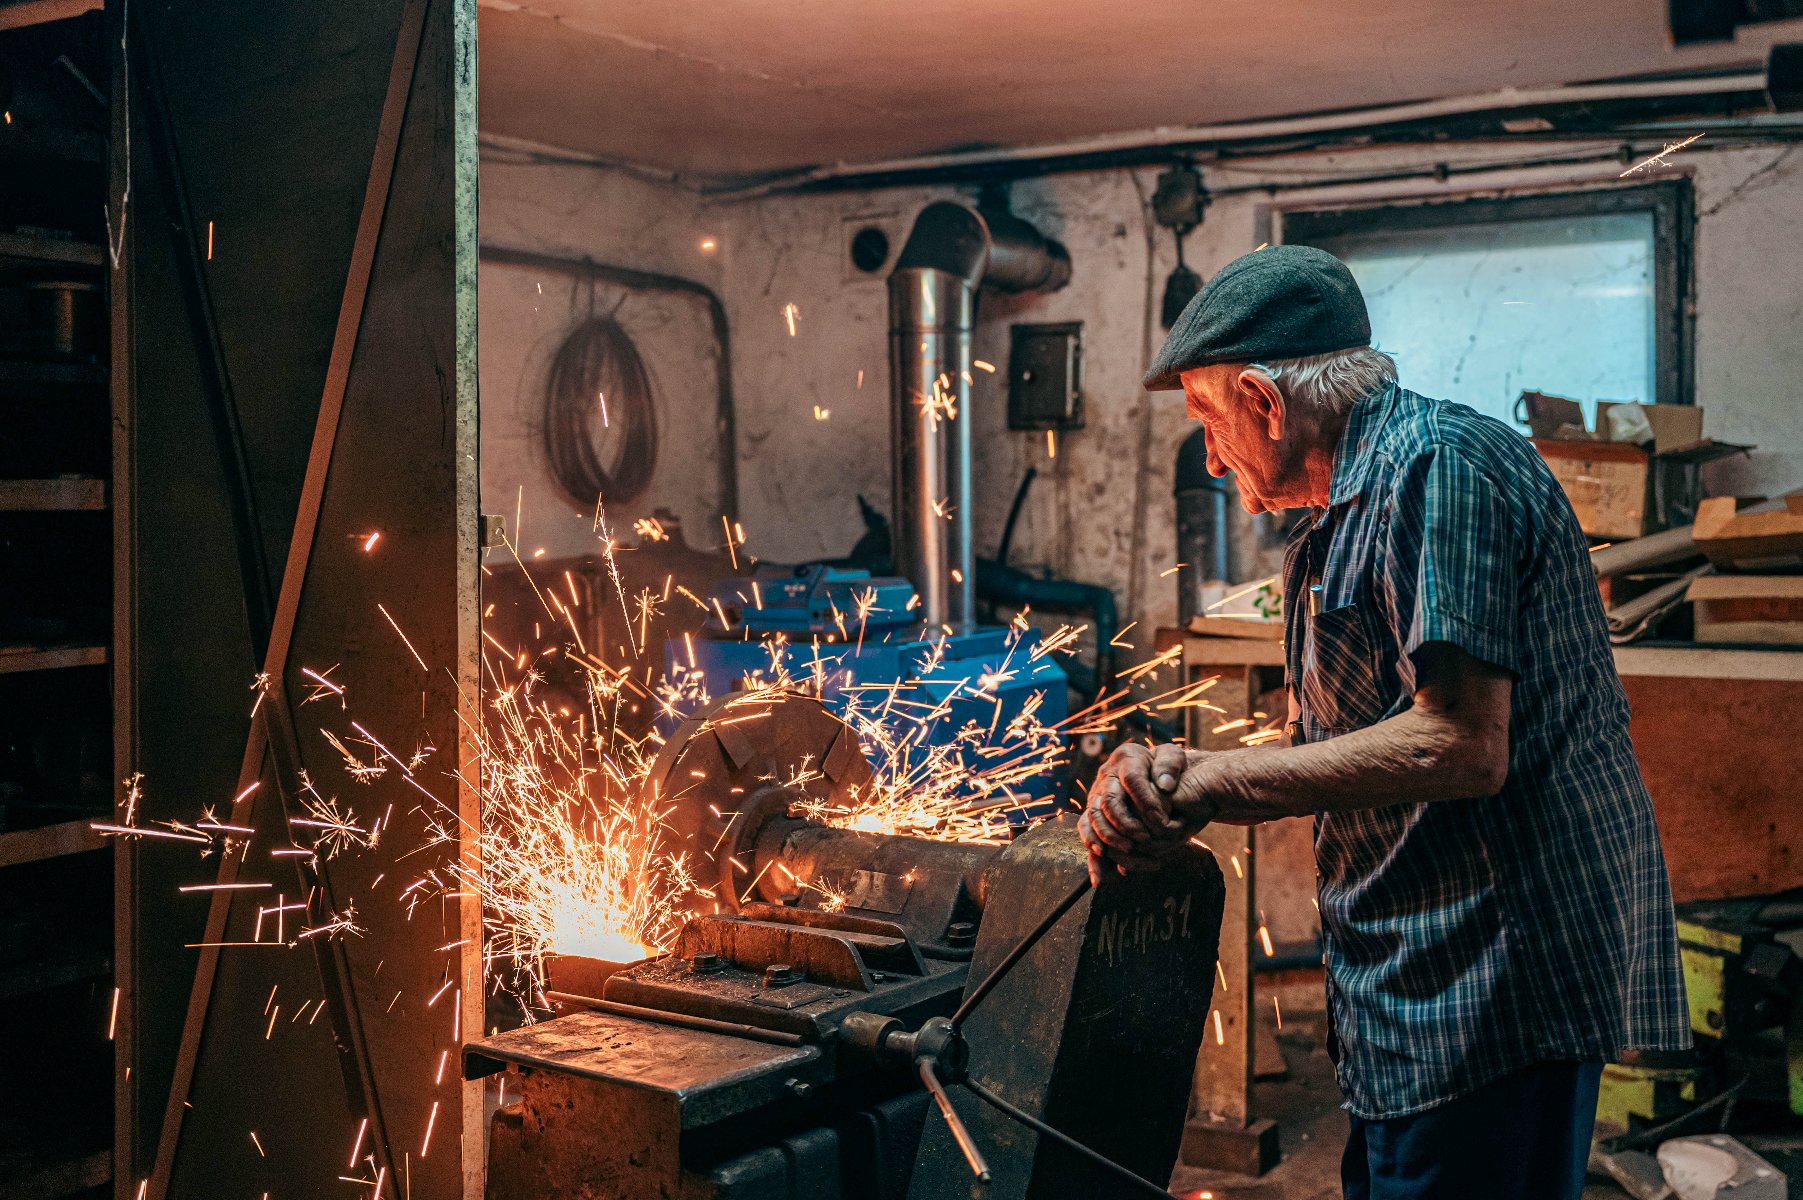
x: 1133, y: 818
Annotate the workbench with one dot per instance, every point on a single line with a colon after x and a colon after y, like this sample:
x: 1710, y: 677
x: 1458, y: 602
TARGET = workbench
x: 1714, y: 731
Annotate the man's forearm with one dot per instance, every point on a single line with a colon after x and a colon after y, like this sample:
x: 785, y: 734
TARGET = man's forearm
x: 1413, y: 756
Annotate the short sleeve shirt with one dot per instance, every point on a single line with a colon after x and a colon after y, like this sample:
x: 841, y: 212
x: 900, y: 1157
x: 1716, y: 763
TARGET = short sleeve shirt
x: 1469, y: 938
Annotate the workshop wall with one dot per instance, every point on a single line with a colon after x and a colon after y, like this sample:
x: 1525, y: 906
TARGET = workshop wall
x: 812, y: 406
x: 811, y: 437
x: 526, y: 312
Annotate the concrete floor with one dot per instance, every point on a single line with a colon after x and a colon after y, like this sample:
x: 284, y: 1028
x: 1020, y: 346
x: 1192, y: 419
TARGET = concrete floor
x: 1312, y: 1127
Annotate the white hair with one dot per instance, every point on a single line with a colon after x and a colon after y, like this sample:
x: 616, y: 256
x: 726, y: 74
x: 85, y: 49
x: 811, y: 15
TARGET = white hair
x: 1332, y: 382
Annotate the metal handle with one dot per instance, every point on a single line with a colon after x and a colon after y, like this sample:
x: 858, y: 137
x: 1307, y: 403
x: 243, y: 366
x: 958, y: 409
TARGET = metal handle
x: 953, y: 1121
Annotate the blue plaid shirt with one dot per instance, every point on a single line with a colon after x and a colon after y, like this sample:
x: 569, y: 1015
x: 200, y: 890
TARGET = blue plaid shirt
x: 1469, y: 938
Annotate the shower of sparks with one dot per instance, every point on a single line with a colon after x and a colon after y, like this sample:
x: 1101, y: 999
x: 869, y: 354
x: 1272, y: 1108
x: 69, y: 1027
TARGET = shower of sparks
x: 570, y: 858
x: 369, y: 543
x: 821, y: 414
x: 790, y: 312
x: 986, y: 367
x: 1051, y: 443
x: 1656, y: 159
x: 573, y: 854
x: 709, y: 245
x: 1250, y: 588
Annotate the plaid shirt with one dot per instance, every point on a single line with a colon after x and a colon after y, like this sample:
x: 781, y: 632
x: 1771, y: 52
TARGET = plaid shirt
x: 1469, y: 938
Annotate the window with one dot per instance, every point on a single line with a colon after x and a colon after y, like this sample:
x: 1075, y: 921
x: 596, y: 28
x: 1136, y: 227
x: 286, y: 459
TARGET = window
x: 1580, y: 295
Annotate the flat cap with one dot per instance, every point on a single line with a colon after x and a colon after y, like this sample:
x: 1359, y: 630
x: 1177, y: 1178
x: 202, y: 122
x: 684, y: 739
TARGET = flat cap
x: 1278, y: 302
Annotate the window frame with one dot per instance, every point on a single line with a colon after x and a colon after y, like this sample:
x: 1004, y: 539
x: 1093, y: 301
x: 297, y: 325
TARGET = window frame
x: 1670, y: 201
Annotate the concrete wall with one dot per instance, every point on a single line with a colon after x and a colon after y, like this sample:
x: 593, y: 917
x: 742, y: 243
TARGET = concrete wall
x: 526, y: 312
x: 1101, y: 510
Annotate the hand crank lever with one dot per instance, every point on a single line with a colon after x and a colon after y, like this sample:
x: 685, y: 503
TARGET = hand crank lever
x: 939, y: 1042
x: 929, y: 1075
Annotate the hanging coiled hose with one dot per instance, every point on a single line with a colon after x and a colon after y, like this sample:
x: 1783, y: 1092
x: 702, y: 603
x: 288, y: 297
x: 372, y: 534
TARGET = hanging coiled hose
x: 600, y: 422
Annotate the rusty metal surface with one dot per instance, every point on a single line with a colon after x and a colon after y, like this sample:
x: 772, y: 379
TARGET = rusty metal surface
x: 836, y: 965
x: 739, y: 744
x: 1095, y: 1031
x: 369, y: 359
x: 701, y: 1077
x: 561, y: 1137
x: 925, y: 887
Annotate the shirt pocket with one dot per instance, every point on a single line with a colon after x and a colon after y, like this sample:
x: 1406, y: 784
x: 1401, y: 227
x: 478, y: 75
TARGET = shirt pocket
x: 1341, y: 682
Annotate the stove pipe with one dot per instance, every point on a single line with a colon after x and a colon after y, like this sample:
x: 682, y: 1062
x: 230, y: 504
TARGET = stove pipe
x: 952, y: 251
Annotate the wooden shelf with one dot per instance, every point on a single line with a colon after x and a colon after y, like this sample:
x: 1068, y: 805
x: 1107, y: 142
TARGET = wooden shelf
x: 64, y: 967
x: 52, y: 495
x: 60, y: 1177
x: 48, y: 841
x: 38, y: 248
x: 18, y: 373
x: 15, y: 659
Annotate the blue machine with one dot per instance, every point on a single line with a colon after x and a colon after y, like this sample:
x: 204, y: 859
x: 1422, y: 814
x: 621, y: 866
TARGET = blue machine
x: 856, y: 634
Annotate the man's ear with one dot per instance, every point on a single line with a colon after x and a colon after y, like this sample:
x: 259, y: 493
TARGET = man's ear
x: 1264, y: 400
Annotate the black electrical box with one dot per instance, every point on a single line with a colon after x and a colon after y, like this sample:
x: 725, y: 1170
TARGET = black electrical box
x: 1045, y: 376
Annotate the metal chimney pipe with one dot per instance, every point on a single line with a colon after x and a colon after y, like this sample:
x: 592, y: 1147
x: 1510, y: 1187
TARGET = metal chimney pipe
x: 932, y: 315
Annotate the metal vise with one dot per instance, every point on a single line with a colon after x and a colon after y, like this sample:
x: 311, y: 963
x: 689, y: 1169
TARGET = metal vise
x: 776, y: 1052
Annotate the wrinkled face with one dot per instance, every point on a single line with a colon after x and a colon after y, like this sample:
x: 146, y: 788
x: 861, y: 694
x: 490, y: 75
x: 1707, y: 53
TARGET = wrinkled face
x: 1252, y: 433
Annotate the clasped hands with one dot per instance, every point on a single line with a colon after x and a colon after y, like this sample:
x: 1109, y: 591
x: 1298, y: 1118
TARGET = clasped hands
x: 1144, y: 803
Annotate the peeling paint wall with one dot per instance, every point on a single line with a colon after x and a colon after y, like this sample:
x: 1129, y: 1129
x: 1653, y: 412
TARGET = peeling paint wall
x: 525, y: 313
x: 1101, y: 510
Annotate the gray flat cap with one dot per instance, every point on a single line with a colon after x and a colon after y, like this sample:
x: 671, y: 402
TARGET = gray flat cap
x: 1279, y: 302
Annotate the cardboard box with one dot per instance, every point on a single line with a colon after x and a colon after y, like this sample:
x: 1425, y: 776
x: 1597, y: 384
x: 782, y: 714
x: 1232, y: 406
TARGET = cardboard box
x: 1607, y: 473
x: 1748, y: 608
x: 1609, y: 484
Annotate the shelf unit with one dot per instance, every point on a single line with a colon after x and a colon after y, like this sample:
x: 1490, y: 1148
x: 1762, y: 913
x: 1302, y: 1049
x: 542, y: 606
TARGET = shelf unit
x: 56, y: 569
x: 52, y: 495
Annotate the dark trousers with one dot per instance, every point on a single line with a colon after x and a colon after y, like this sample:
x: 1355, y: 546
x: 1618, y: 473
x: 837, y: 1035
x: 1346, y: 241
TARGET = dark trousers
x: 1524, y: 1137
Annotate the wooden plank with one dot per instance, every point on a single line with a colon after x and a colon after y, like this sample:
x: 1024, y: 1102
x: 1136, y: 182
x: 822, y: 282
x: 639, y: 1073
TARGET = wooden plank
x: 48, y: 841
x: 1224, y: 1067
x: 52, y: 495
x: 21, y: 13
x: 66, y: 1177
x: 17, y: 659
x: 1700, y: 663
x: 39, y: 248
x: 1234, y: 652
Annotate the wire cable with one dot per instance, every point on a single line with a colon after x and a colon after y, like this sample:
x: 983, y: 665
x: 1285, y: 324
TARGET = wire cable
x: 600, y: 420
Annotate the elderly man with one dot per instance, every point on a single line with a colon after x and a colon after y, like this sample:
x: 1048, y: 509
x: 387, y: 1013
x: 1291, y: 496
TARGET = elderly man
x: 1494, y: 903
